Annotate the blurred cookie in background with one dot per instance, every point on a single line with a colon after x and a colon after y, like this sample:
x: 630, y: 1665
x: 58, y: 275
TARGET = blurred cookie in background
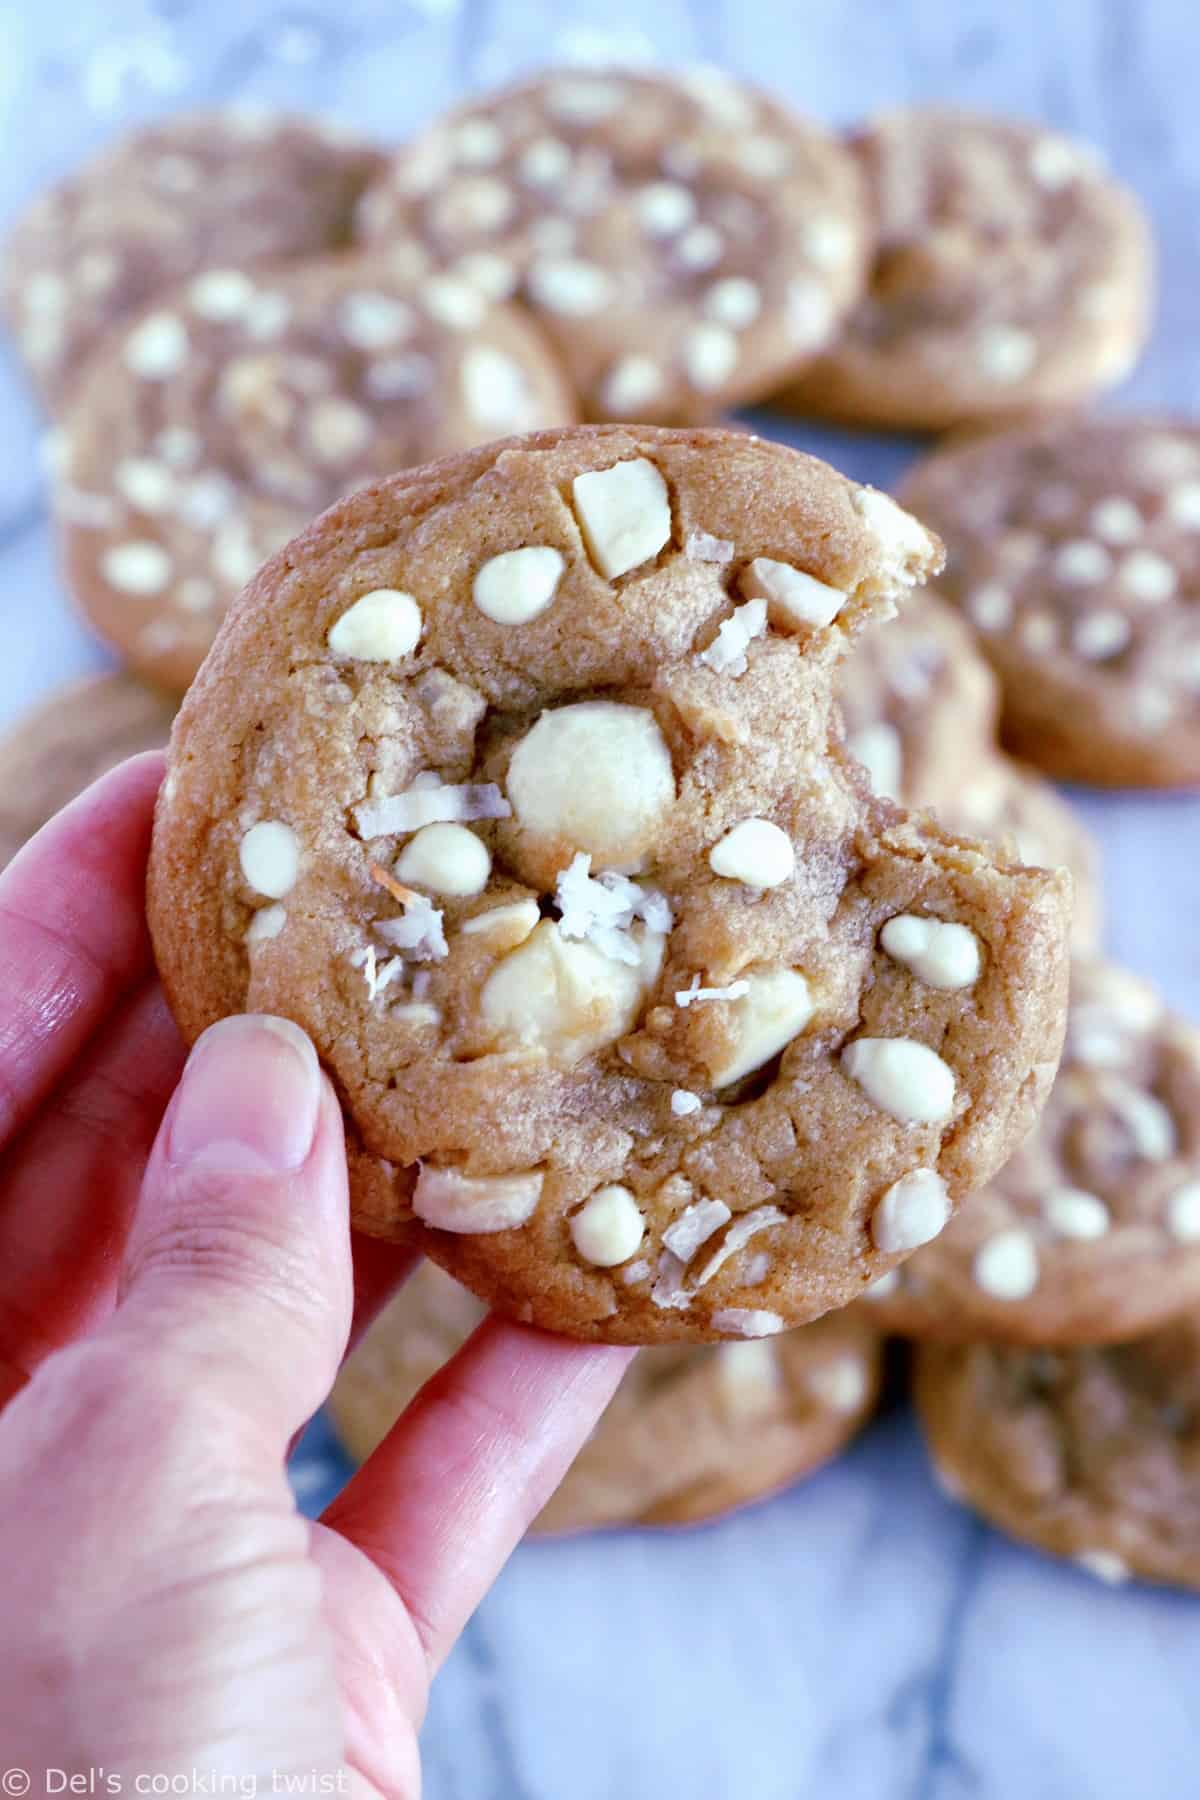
x: 689, y: 1435
x: 1091, y: 1231
x: 1073, y: 548
x: 212, y: 189
x: 1092, y: 1454
x: 1011, y: 272
x: 212, y: 428
x: 685, y: 240
x: 69, y: 740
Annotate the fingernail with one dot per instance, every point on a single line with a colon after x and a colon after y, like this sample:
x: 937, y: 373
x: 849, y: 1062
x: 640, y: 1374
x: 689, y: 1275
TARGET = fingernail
x: 249, y: 1098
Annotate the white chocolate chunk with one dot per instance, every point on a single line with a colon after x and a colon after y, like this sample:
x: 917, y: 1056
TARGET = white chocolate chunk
x: 336, y: 430
x: 794, y: 599
x: 991, y: 607
x: 504, y: 927
x: 382, y: 626
x: 634, y: 381
x: 700, y: 247
x: 840, y: 1384
x: 221, y: 293
x: 756, y: 852
x: 1105, y: 1565
x: 495, y: 389
x: 371, y: 321
x: 1006, y: 1265
x: 902, y: 1077
x: 570, y: 287
x: 454, y: 303
x: 609, y: 1227
x: 748, y: 1373
x: 624, y: 514
x: 139, y: 567
x: 727, y: 652
x: 517, y: 585
x: 746, y: 1321
x: 1082, y: 562
x: 1005, y: 353
x: 1148, y: 577
x: 596, y: 776
x: 939, y: 952
x: 1099, y: 635
x: 1074, y: 1213
x: 565, y: 997
x: 446, y: 859
x: 1183, y: 505
x: 684, y: 1103
x: 710, y: 355
x: 734, y: 301
x: 269, y: 854
x: 450, y: 1201
x: 266, y: 924
x: 157, y: 347
x: 1183, y: 1213
x: 664, y: 207
x: 880, y: 750
x: 545, y: 162
x: 774, y: 1007
x: 694, y: 1226
x: 912, y: 1211
x: 147, y: 485
x: 1116, y: 520
x: 902, y: 540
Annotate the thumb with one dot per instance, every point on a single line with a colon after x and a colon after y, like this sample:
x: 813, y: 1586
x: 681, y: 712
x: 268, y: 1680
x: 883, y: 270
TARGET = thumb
x: 238, y: 1262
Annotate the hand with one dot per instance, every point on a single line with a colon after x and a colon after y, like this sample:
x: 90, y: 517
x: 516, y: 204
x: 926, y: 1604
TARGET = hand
x: 175, y: 1296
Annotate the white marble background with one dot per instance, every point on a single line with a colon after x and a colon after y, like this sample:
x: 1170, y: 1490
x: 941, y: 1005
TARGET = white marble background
x: 860, y: 1638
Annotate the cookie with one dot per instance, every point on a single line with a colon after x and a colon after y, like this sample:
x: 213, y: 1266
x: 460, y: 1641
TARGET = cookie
x: 516, y: 782
x: 684, y: 240
x: 689, y: 1435
x: 68, y: 741
x: 1074, y: 551
x: 919, y: 703
x: 1091, y: 1232
x: 1089, y: 1453
x: 203, y: 190
x: 1011, y: 272
x: 210, y: 430
x: 919, y: 706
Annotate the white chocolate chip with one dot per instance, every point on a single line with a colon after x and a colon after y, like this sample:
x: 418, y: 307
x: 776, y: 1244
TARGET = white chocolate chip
x: 902, y: 1077
x: 221, y: 294
x: 1004, y: 353
x: 840, y: 1384
x: 1102, y: 634
x: 479, y: 142
x: 613, y: 814
x: 1074, y: 1213
x: 446, y: 859
x: 371, y: 321
x: 939, y: 952
x: 517, y: 585
x: 336, y: 429
x: 450, y: 1201
x: 1183, y: 1213
x: 912, y: 1211
x: 880, y: 750
x: 810, y: 314
x: 828, y: 241
x: 664, y: 207
x: 694, y: 1226
x: 545, y: 162
x: 609, y: 1227
x: 633, y: 382
x: 710, y: 355
x: 755, y: 852
x: 570, y: 287
x: 902, y: 540
x: 269, y: 855
x: 564, y: 997
x: 795, y: 600
x: 399, y: 377
x: 748, y: 1373
x: 1006, y: 1265
x: 505, y: 926
x: 493, y: 274
x: 1082, y: 563
x: 1182, y: 505
x: 991, y: 607
x: 702, y: 546
x: 624, y: 513
x: 774, y: 1008
x: 1148, y: 576
x: 157, y: 347
x: 700, y: 247
x: 746, y: 1321
x: 585, y: 99
x: 382, y: 626
x: 266, y: 924
x: 495, y: 388
x: 684, y: 1103
x: 1105, y: 1565
x: 139, y: 567
x: 734, y: 301
x: 1116, y: 520
x: 454, y: 303
x: 1055, y: 161
x: 883, y: 1285
x: 1149, y: 1123
x: 147, y: 485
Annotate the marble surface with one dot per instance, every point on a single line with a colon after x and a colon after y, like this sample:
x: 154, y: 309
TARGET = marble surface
x: 861, y: 1637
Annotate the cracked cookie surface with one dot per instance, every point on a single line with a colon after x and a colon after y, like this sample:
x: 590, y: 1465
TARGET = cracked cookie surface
x: 516, y: 781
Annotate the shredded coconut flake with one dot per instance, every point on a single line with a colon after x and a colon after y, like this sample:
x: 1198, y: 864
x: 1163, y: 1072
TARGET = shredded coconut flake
x: 695, y: 994
x: 419, y: 931
x: 376, y: 975
x: 702, y: 546
x: 727, y: 652
x: 668, y: 1290
x: 684, y: 1236
x: 739, y: 1233
x: 603, y: 908
x: 747, y: 1321
x: 635, y: 1272
x: 421, y: 983
x: 428, y: 802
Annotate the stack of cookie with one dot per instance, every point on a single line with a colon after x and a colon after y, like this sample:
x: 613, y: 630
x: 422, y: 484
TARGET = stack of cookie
x: 237, y: 320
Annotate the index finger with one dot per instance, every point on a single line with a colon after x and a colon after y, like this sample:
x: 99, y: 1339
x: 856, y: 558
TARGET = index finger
x: 73, y: 933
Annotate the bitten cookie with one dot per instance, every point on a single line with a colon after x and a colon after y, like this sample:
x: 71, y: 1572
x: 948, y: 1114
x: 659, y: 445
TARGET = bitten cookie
x: 684, y: 240
x: 1074, y: 550
x: 919, y: 705
x: 1092, y: 1453
x: 689, y: 1435
x: 68, y: 741
x: 204, y: 190
x: 1091, y: 1232
x: 212, y: 428
x: 516, y: 782
x: 1011, y: 273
